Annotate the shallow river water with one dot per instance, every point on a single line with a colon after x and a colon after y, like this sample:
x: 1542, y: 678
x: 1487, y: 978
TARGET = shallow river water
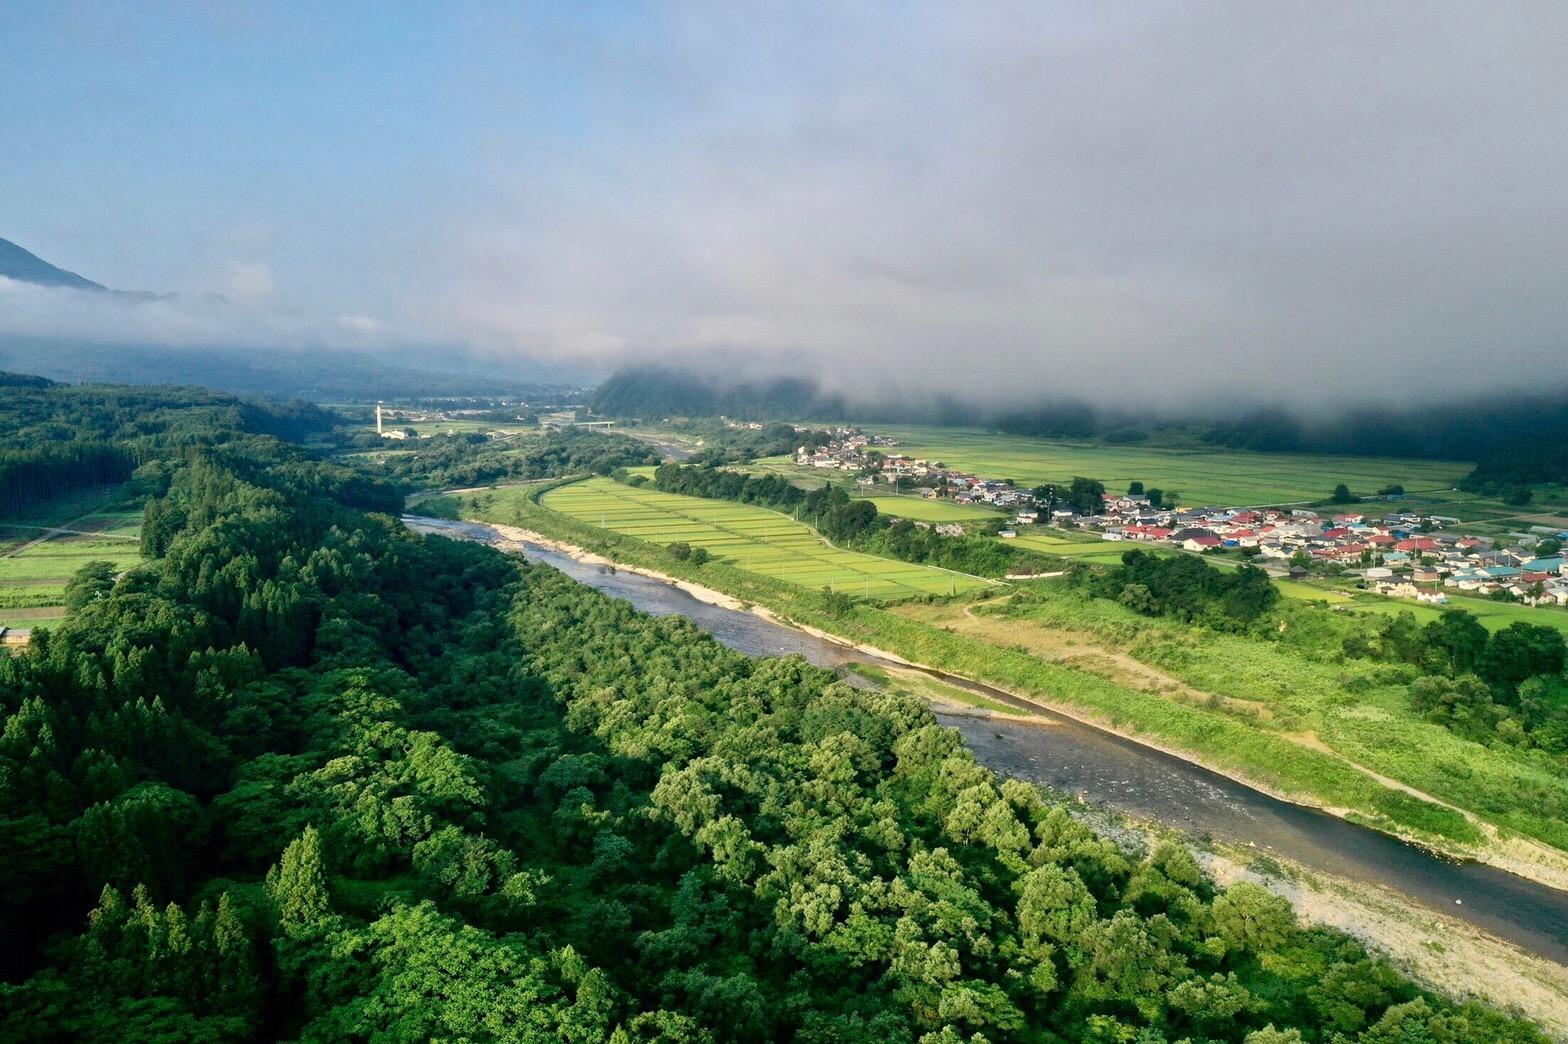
x: 1107, y: 770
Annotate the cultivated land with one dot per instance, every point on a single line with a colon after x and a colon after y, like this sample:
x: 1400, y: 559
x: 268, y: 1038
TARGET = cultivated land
x: 1079, y: 549
x: 38, y: 554
x: 1200, y: 475
x: 751, y: 538
x: 922, y: 510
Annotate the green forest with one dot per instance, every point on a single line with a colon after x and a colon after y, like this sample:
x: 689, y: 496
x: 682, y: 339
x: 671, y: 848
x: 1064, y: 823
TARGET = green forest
x: 305, y: 775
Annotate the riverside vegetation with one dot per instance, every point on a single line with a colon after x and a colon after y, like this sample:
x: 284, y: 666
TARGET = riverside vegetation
x: 1305, y: 724
x: 305, y: 775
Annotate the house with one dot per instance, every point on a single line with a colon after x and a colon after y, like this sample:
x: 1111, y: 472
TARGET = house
x: 1201, y: 543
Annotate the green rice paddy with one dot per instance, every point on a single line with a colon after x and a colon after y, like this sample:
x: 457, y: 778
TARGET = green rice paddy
x: 36, y: 563
x: 1200, y: 475
x: 1098, y: 551
x: 922, y: 510
x: 751, y: 538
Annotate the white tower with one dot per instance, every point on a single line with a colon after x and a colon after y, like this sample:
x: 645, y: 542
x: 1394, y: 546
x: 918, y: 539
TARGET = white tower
x: 378, y: 417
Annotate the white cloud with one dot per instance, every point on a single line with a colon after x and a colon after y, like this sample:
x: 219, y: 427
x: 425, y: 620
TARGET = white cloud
x: 249, y: 282
x: 362, y: 324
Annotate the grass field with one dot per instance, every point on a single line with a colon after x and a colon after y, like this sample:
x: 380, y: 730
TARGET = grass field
x: 751, y: 538
x: 923, y: 510
x: 35, y: 563
x: 1493, y: 615
x: 1200, y: 476
x: 1103, y: 552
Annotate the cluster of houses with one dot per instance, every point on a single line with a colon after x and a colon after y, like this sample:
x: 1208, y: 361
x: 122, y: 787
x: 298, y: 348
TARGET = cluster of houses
x: 1402, y: 555
x: 848, y: 452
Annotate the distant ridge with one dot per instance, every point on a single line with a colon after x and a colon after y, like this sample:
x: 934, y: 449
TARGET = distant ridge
x: 24, y: 266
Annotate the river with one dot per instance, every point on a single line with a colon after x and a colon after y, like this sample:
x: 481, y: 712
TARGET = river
x: 1107, y: 770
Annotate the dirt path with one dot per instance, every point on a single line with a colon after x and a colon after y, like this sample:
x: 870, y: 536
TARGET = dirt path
x: 50, y: 532
x: 1079, y: 650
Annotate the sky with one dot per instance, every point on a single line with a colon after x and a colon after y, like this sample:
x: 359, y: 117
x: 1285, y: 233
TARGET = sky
x: 1139, y: 202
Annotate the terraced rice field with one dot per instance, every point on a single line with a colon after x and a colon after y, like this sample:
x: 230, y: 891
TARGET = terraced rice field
x: 751, y: 538
x: 923, y: 510
x: 36, y: 562
x: 1200, y: 475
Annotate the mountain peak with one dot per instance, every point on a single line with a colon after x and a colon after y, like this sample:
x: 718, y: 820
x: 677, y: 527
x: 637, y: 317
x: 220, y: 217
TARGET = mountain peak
x: 26, y: 267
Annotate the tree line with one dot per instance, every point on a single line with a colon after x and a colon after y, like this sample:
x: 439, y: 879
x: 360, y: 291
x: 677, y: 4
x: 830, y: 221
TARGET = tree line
x: 852, y: 523
x: 458, y: 461
x: 1184, y: 587
x: 1505, y: 686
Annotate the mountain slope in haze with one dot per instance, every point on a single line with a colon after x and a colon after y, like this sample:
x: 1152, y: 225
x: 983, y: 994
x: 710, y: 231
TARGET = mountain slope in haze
x: 24, y: 266
x: 315, y: 375
x: 394, y: 373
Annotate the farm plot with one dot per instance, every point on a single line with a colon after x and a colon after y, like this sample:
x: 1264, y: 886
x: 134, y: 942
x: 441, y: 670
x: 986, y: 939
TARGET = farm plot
x: 1200, y: 475
x: 1100, y: 551
x: 37, y: 561
x: 922, y: 510
x: 751, y: 538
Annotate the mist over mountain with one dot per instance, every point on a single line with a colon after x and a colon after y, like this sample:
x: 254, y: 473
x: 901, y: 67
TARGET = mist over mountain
x: 26, y: 267
x: 276, y: 373
x: 1130, y: 203
x: 117, y: 341
x: 1524, y: 426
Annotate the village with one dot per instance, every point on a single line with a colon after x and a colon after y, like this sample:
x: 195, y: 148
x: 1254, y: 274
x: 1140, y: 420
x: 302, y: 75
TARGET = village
x: 1400, y: 555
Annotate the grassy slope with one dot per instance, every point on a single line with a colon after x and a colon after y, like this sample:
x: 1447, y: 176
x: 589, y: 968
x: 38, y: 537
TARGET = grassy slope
x: 1358, y: 709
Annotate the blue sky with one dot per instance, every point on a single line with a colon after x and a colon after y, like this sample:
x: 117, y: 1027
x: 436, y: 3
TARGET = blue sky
x: 1117, y: 198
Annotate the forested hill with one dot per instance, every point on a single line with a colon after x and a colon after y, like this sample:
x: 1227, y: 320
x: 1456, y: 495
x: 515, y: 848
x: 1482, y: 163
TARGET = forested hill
x: 304, y: 775
x: 55, y: 438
